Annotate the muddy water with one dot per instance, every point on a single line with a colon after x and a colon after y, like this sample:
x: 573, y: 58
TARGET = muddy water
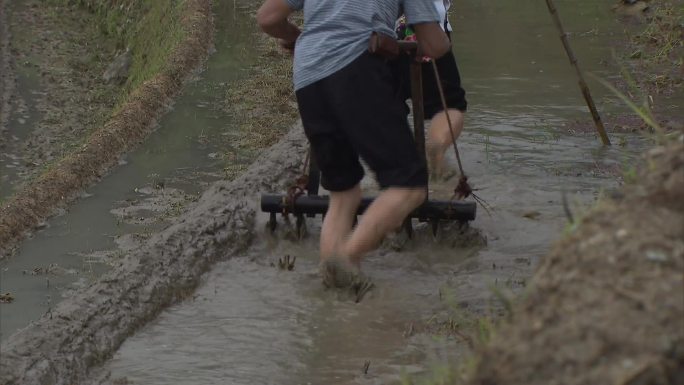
x: 251, y: 323
x: 166, y: 172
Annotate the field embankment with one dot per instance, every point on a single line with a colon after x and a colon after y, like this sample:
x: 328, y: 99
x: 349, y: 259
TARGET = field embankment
x: 159, y: 44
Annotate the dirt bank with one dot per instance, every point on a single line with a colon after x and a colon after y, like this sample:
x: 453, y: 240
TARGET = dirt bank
x: 81, y: 333
x: 130, y: 123
x: 606, y: 305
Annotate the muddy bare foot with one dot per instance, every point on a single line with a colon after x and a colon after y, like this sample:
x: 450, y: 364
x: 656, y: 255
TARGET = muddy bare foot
x: 339, y: 272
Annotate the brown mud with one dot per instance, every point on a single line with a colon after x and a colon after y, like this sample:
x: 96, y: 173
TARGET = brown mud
x: 610, y: 297
x: 62, y: 182
x: 80, y: 334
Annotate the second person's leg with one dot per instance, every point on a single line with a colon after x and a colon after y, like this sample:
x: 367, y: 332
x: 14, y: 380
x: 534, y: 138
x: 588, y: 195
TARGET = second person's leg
x: 440, y: 139
x: 339, y: 220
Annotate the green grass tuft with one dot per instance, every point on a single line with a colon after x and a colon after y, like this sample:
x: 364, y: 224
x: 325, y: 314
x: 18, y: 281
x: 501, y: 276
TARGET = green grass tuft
x: 149, y: 28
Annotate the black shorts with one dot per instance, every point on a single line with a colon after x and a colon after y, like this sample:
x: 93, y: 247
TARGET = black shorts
x: 357, y: 112
x: 451, y: 82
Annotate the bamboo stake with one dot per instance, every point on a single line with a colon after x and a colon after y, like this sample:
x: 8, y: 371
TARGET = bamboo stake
x: 583, y: 85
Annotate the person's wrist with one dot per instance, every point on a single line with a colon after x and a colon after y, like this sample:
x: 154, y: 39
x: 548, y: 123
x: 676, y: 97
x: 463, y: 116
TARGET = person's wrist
x: 294, y: 34
x: 289, y: 45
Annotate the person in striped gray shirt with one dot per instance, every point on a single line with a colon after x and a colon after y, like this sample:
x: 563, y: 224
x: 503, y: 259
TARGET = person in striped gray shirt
x: 350, y: 108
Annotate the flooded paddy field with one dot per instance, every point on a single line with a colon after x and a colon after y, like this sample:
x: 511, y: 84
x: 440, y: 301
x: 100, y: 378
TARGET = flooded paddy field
x: 252, y: 323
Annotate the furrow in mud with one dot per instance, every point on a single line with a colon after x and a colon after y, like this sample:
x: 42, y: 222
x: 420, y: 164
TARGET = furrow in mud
x: 80, y: 333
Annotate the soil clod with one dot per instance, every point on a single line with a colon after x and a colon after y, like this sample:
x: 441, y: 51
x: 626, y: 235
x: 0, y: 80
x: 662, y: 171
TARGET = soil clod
x: 6, y: 298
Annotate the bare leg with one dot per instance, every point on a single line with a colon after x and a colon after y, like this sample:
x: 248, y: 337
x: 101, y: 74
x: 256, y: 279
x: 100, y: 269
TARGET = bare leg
x: 439, y: 139
x: 340, y: 256
x: 384, y: 215
x: 339, y: 220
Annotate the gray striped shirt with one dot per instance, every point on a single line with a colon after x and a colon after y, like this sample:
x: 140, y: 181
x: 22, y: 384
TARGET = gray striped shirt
x: 337, y: 31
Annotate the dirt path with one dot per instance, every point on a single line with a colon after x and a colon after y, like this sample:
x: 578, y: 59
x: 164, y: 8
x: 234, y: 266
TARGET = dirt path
x: 610, y: 297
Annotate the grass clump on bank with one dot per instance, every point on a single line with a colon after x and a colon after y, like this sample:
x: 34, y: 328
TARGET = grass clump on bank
x: 473, y: 329
x: 151, y: 29
x: 658, y: 49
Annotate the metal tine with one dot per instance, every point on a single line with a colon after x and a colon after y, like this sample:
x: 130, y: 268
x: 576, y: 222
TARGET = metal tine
x: 301, y: 226
x: 408, y: 227
x: 272, y: 222
x: 434, y: 222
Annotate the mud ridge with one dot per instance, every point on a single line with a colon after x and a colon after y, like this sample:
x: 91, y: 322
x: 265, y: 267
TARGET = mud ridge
x: 606, y: 305
x: 128, y: 126
x: 65, y: 345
